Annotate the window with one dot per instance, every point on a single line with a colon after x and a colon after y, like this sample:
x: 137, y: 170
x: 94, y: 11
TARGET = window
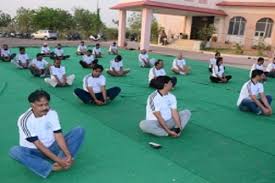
x: 264, y: 27
x: 237, y: 26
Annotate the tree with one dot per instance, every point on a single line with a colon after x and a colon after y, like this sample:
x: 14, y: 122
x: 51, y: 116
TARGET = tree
x: 5, y: 19
x: 24, y: 19
x: 155, y: 31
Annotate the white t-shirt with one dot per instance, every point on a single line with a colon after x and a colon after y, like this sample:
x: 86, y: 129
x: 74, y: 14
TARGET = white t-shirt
x: 248, y: 89
x: 254, y: 67
x: 116, y: 65
x: 40, y: 64
x: 23, y: 58
x: 216, y: 72
x: 59, y: 52
x: 5, y: 53
x: 270, y: 67
x: 113, y: 48
x: 94, y: 83
x: 142, y: 57
x: 96, y: 50
x: 42, y: 128
x: 88, y: 59
x: 163, y: 104
x: 212, y: 62
x: 81, y: 48
x: 179, y: 63
x: 45, y: 49
x: 155, y: 73
x: 58, y: 72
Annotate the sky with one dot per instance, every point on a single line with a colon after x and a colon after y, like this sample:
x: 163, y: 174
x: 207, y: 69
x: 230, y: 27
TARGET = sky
x: 10, y: 6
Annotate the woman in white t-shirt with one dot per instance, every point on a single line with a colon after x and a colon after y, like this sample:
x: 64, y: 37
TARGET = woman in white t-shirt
x: 155, y: 72
x: 212, y: 61
x: 271, y: 69
x: 58, y: 75
x: 116, y: 67
x: 88, y: 60
x: 218, y: 75
x: 22, y: 60
x: 179, y: 65
x: 113, y: 49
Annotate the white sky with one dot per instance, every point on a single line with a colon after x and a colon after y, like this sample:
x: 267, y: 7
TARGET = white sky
x: 10, y: 6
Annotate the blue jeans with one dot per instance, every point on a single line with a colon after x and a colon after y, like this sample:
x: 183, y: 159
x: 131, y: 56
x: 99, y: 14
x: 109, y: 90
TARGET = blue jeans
x: 112, y: 93
x: 37, y: 162
x: 249, y: 105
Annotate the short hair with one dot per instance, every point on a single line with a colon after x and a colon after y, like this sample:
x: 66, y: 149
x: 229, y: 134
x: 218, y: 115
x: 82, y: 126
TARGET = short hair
x: 37, y: 95
x: 158, y: 61
x: 217, y: 54
x: 21, y: 48
x: 114, y: 42
x: 256, y: 72
x: 97, y: 66
x: 90, y: 51
x: 218, y: 60
x: 118, y: 57
x: 59, y: 44
x: 39, y: 54
x: 260, y: 59
x: 97, y: 44
x: 81, y: 41
x: 161, y: 81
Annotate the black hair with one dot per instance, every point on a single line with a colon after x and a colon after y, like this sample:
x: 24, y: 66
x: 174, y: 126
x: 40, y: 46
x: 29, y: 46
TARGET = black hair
x: 59, y: 44
x: 158, y: 61
x: 97, y: 44
x: 256, y: 72
x: 217, y: 54
x: 21, y: 48
x: 97, y: 66
x: 260, y: 59
x: 218, y: 60
x: 161, y: 81
x: 95, y: 61
x: 37, y: 95
x: 39, y: 54
x: 118, y: 57
x: 90, y: 51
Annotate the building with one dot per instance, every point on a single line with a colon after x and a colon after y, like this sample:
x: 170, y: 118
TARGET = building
x: 236, y: 21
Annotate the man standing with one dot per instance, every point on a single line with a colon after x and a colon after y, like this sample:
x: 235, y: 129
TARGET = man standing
x: 43, y: 148
x: 162, y: 117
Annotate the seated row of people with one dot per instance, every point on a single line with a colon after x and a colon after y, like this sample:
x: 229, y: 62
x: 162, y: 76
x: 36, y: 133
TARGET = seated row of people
x: 82, y: 49
x: 268, y: 72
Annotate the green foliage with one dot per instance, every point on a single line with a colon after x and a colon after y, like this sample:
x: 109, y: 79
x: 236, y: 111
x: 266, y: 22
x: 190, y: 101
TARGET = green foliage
x: 206, y: 32
x: 239, y: 49
x: 5, y: 19
x: 110, y: 33
x: 24, y: 19
x: 155, y: 31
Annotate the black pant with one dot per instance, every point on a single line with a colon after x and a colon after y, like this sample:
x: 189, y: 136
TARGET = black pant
x: 270, y: 74
x: 155, y: 84
x: 218, y: 80
x: 112, y: 93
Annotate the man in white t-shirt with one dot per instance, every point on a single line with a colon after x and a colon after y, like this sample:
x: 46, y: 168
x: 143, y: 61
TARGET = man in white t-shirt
x: 94, y: 88
x: 88, y: 60
x: 212, y: 61
x: 252, y: 97
x: 42, y: 146
x: 113, y: 49
x: 22, y: 60
x: 58, y: 75
x: 259, y: 66
x: 46, y: 50
x: 116, y: 67
x: 179, y: 65
x: 59, y: 53
x: 162, y: 117
x: 144, y: 60
x: 155, y: 72
x: 271, y: 69
x: 97, y: 51
x: 5, y: 54
x: 81, y: 49
x: 39, y: 67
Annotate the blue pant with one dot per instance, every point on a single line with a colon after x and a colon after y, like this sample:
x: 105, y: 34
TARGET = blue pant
x: 249, y: 105
x: 37, y: 162
x: 112, y: 93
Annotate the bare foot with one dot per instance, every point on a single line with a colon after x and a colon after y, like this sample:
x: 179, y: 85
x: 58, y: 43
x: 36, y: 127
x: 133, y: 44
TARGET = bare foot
x: 56, y: 167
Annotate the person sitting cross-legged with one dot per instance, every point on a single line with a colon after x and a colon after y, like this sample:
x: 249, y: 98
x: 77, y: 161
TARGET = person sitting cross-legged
x: 5, y: 54
x: 81, y: 49
x: 179, y: 65
x: 113, y: 49
x: 22, y: 60
x: 94, y: 88
x: 88, y: 60
x: 144, y: 60
x: 155, y: 72
x: 42, y: 146
x: 162, y: 116
x: 252, y: 97
x: 270, y: 70
x: 46, y: 51
x: 116, y: 67
x: 218, y: 75
x: 59, y: 53
x: 58, y: 75
x: 39, y: 67
x: 97, y: 51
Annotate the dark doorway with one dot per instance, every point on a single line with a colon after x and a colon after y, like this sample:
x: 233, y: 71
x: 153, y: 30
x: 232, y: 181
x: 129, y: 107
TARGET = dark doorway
x: 199, y: 22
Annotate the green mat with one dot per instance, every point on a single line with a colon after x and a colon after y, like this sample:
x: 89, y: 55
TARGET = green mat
x: 219, y: 145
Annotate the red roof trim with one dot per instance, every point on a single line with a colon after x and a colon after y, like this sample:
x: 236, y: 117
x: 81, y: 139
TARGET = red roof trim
x: 168, y: 6
x: 246, y: 4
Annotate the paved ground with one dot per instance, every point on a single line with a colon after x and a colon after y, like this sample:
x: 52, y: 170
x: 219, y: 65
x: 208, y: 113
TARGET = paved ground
x: 232, y: 60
